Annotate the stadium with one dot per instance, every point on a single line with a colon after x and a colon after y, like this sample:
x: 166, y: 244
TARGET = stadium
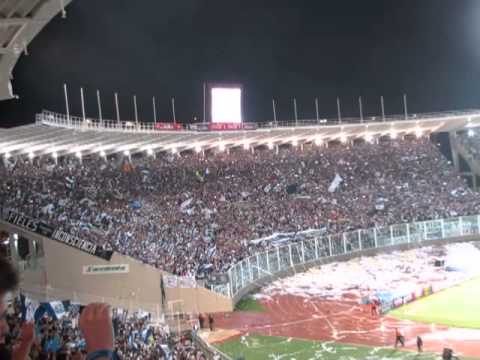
x: 324, y: 237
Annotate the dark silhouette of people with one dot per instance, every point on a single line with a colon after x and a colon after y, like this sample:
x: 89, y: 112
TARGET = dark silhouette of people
x: 210, y: 321
x: 399, y: 338
x: 419, y: 344
x: 201, y: 320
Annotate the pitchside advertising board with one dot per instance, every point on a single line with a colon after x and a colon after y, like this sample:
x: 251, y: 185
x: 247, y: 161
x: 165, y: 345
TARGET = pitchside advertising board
x: 39, y: 227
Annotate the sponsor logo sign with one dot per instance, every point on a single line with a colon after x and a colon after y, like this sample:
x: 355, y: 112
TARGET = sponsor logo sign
x: 106, y: 269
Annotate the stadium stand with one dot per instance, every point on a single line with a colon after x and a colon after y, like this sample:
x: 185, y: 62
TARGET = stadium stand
x: 193, y: 214
x: 471, y: 143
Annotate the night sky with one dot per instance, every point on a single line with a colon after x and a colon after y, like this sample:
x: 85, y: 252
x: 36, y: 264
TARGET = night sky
x: 429, y: 49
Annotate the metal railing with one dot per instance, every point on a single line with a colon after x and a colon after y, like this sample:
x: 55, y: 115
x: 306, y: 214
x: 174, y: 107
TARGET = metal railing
x: 78, y: 123
x: 267, y: 264
x: 209, y: 350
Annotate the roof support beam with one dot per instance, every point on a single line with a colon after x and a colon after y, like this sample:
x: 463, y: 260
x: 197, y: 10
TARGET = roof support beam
x: 20, y: 21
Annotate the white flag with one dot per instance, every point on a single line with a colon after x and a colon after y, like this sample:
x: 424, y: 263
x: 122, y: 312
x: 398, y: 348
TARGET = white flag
x: 335, y: 183
x: 184, y: 205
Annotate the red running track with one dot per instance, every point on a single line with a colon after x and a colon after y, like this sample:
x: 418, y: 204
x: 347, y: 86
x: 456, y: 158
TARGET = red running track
x: 345, y: 322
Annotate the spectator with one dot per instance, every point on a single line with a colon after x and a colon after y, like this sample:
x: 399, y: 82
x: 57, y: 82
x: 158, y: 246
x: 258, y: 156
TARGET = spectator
x: 8, y: 282
x: 211, y: 322
x: 399, y: 338
x: 134, y: 338
x: 419, y: 344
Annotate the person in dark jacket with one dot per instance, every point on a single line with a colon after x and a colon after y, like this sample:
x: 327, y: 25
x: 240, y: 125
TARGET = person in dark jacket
x: 211, y: 321
x: 419, y: 344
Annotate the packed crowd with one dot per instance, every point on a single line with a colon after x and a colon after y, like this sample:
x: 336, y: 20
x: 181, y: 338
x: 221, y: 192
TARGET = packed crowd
x: 61, y: 338
x: 195, y: 213
x: 72, y: 332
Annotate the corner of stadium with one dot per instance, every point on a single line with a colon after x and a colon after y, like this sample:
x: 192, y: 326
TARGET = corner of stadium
x: 299, y: 239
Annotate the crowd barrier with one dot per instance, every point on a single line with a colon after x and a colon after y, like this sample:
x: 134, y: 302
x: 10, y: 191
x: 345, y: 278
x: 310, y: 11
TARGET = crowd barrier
x: 256, y: 269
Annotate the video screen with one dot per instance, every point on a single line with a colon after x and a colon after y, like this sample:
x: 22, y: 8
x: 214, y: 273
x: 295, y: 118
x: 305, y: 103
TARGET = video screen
x: 226, y: 105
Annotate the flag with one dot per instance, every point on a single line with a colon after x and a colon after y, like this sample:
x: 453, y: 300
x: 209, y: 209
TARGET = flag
x: 170, y: 281
x: 335, y: 183
x: 186, y: 282
x: 69, y: 182
x: 186, y: 204
x: 136, y: 204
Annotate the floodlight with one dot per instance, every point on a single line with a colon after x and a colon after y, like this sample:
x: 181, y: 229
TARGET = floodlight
x: 418, y: 133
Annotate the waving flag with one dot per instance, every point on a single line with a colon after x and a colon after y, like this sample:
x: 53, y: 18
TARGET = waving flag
x: 335, y: 183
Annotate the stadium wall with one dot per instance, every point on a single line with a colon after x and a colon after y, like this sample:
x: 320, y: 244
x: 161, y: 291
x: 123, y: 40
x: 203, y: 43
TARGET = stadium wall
x: 255, y: 286
x: 61, y: 272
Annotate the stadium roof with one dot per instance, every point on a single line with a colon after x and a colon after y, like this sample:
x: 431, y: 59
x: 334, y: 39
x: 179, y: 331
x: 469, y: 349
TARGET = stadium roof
x: 55, y: 135
x: 20, y: 22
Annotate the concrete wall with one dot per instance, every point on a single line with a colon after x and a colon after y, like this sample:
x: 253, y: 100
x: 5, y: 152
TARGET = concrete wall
x: 200, y: 300
x: 58, y: 275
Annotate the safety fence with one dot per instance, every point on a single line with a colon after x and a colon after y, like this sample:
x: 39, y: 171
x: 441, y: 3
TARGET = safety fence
x: 268, y: 264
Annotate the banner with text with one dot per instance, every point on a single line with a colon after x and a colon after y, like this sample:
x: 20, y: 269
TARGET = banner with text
x: 39, y: 227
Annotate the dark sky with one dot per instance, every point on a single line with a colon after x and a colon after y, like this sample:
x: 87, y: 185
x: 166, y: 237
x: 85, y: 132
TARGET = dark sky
x: 429, y: 49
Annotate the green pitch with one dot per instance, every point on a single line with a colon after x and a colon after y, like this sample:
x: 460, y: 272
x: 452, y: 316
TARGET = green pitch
x: 257, y: 347
x: 249, y: 304
x: 458, y: 306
